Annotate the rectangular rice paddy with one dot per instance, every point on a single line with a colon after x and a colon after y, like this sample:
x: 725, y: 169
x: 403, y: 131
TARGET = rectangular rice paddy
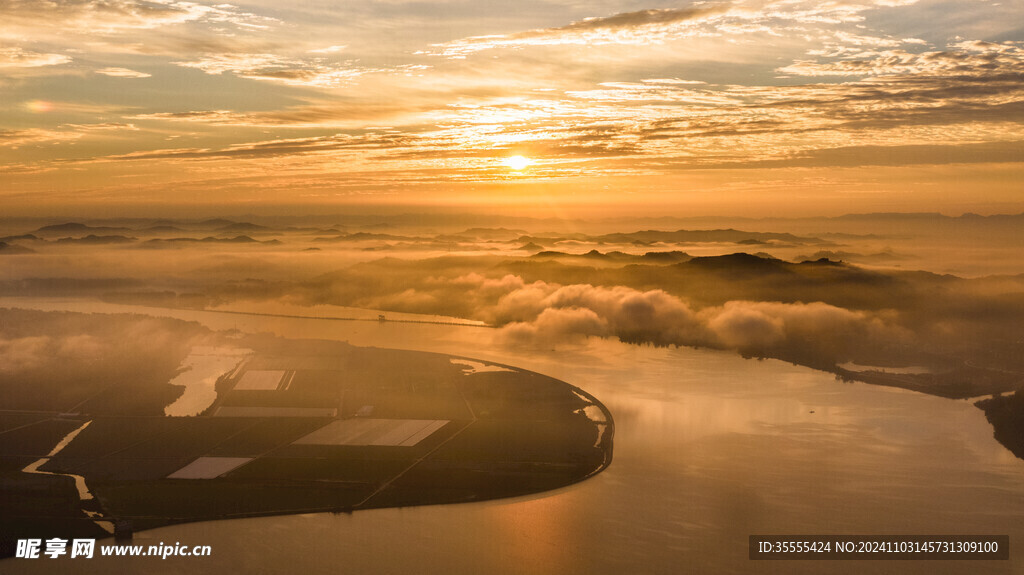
x: 362, y: 431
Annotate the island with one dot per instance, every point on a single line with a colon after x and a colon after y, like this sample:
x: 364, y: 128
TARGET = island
x: 251, y: 425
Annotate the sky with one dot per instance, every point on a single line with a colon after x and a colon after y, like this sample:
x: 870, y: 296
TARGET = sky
x: 748, y: 107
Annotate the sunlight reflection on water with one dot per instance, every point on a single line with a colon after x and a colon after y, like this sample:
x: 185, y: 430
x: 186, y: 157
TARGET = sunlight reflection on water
x: 202, y: 367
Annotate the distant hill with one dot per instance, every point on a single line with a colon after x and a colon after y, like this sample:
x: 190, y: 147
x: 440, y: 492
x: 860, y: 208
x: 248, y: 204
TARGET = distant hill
x: 671, y: 257
x: 215, y: 223
x: 894, y: 216
x: 738, y: 262
x: 68, y: 227
x: 75, y: 228
x: 210, y: 239
x: 880, y: 257
x: 28, y: 237
x: 93, y: 239
x: 243, y: 227
x: 491, y: 233
x: 708, y: 236
x: 366, y: 236
x: 7, y: 249
x: 651, y: 237
x: 162, y: 229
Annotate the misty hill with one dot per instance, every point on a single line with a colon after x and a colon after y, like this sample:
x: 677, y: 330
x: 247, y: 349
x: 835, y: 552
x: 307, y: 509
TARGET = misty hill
x: 6, y: 249
x: 95, y: 240
x: 592, y: 255
x: 24, y: 236
x: 499, y: 234
x: 243, y: 227
x: 1017, y: 219
x: 68, y: 227
x: 933, y: 217
x: 613, y: 257
x: 209, y: 240
x: 530, y: 247
x: 1006, y: 227
x: 893, y: 216
x: 705, y: 236
x: 741, y: 264
x: 674, y: 256
x: 879, y: 257
x: 78, y: 228
x: 234, y: 240
x: 370, y: 236
x: 65, y: 286
x: 215, y: 223
x: 162, y: 229
x: 652, y: 237
x: 311, y: 230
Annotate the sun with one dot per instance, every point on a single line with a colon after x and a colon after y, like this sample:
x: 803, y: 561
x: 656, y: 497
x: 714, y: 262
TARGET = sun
x: 518, y: 162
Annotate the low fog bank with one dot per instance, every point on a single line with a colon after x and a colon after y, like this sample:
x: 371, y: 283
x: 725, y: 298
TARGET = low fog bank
x: 817, y: 314
x: 821, y: 314
x: 72, y: 362
x: 818, y: 292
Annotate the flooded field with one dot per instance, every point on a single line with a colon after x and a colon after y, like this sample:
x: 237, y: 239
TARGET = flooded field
x: 199, y: 372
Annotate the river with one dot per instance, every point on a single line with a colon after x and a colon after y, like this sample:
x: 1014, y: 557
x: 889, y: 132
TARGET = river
x: 709, y: 449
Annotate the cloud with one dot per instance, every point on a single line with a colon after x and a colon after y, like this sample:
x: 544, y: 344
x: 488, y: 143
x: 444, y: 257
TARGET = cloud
x: 826, y: 329
x: 36, y: 347
x: 909, y: 155
x: 34, y: 352
x: 63, y: 133
x: 556, y: 326
x: 622, y: 113
x: 23, y: 353
x: 17, y: 138
x: 545, y: 314
x: 955, y: 104
x: 111, y: 16
x: 278, y: 68
x: 19, y: 58
x: 122, y: 73
x: 703, y: 20
x: 630, y: 20
x: 652, y: 316
x: 322, y: 116
x: 971, y: 59
x: 99, y: 27
x: 105, y: 126
x: 641, y: 26
x: 558, y: 312
x: 241, y: 64
x: 740, y: 326
x: 272, y: 148
x: 328, y: 50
